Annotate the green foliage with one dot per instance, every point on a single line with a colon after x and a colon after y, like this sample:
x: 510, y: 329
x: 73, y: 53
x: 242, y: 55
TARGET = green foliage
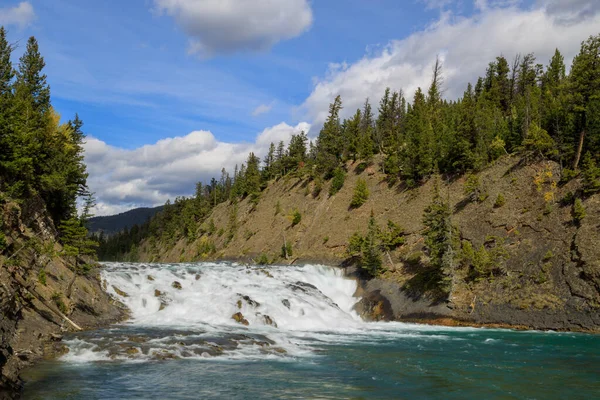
x: 473, y: 189
x: 318, y: 187
x: 77, y: 244
x: 296, y: 217
x: 42, y: 276
x: 439, y: 240
x: 539, y: 141
x: 568, y: 174
x: 483, y: 262
x: 57, y: 298
x: 500, y: 201
x: 337, y: 182
x: 579, y: 212
x: 263, y: 259
x: 206, y: 247
x: 361, y: 194
x: 212, y: 228
x: 286, y: 250
x: 590, y: 174
x: 368, y: 249
x: 392, y: 237
x: 548, y: 256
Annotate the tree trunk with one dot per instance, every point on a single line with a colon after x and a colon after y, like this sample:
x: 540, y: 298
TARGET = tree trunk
x: 579, y: 149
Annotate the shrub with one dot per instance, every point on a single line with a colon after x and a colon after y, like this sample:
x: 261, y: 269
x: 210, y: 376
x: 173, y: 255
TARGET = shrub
x: 392, y: 237
x: 413, y: 259
x: 578, y: 211
x: 211, y: 227
x: 473, y: 189
x: 500, y: 201
x: 549, y: 254
x: 206, y: 247
x: 42, y: 276
x: 318, y: 187
x: 567, y: 175
x: 57, y: 298
x: 263, y: 259
x: 337, y: 182
x: 325, y: 239
x: 286, y: 250
x: 296, y: 217
x: 361, y: 194
x: 590, y: 174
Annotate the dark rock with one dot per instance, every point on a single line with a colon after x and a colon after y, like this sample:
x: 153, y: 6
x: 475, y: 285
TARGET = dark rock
x: 286, y: 303
x: 239, y: 318
x: 248, y: 300
x: 176, y: 285
x: 120, y: 292
x: 269, y: 321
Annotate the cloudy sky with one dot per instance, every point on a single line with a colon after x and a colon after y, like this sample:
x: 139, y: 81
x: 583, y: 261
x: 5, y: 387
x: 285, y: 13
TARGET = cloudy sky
x: 171, y: 91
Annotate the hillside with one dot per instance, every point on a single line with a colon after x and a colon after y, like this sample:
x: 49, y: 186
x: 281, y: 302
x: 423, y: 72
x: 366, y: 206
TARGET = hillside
x: 112, y: 224
x: 548, y: 276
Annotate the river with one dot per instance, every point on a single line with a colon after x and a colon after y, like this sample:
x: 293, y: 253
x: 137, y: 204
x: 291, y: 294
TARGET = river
x: 302, y: 340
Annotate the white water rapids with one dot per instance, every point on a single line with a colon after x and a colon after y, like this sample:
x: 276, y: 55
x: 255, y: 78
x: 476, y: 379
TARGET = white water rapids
x: 230, y: 311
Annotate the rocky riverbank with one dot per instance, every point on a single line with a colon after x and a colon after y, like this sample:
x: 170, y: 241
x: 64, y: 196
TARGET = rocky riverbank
x: 40, y: 296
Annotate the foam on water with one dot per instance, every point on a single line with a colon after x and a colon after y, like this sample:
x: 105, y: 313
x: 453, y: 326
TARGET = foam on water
x: 299, y: 298
x: 186, y: 311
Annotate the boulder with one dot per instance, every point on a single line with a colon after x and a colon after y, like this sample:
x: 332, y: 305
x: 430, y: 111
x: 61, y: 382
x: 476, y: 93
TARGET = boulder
x: 239, y: 318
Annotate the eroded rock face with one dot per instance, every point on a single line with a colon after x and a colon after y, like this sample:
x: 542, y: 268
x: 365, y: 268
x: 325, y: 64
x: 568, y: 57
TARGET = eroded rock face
x: 29, y: 330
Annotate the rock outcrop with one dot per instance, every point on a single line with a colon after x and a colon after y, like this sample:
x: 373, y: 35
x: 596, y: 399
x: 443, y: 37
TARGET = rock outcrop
x: 40, y: 296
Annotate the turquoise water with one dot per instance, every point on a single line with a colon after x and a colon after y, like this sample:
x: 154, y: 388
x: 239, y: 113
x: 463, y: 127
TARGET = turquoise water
x: 190, y: 353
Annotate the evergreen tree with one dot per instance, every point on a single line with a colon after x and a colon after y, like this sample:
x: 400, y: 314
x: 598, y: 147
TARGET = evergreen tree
x: 439, y: 242
x: 6, y: 98
x: 329, y: 142
x: 585, y: 91
x: 361, y: 194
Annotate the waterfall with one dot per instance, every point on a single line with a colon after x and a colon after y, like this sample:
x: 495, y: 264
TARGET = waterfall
x: 221, y: 309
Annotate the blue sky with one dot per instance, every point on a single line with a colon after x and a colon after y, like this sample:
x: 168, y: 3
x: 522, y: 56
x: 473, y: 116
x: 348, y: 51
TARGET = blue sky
x: 199, y: 83
x: 126, y: 71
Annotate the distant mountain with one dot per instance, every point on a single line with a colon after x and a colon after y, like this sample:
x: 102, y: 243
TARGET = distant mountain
x: 116, y: 223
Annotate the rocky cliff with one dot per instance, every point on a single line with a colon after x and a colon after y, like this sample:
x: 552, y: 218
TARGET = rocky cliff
x: 40, y: 296
x: 548, y: 276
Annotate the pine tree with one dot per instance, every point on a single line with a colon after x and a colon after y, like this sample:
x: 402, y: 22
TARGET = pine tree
x: 361, y: 194
x: 439, y: 242
x: 585, y: 91
x: 329, y: 142
x: 6, y: 93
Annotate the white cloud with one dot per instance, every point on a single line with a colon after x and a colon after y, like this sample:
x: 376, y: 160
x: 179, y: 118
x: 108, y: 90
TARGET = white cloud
x: 20, y: 15
x: 466, y: 46
x: 262, y: 109
x: 227, y: 26
x: 151, y: 174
